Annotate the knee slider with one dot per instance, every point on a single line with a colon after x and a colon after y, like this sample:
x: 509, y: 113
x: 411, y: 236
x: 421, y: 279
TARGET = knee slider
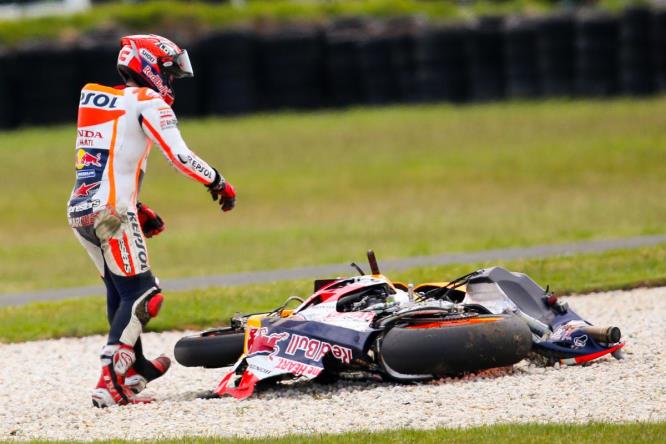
x: 154, y: 304
x: 149, y: 306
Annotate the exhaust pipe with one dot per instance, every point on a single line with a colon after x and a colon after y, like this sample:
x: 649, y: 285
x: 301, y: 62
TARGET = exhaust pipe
x: 609, y: 335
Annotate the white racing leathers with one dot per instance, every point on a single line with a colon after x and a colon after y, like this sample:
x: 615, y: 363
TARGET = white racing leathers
x: 116, y: 129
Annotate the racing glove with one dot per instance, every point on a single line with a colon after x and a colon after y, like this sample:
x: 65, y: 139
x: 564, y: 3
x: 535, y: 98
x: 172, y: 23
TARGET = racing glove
x: 223, y: 192
x: 151, y: 223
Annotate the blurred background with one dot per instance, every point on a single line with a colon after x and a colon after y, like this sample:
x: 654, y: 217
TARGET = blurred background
x: 412, y: 127
x: 305, y: 54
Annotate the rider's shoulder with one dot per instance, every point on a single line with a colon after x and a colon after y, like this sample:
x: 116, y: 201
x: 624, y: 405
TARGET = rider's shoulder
x: 96, y: 87
x: 143, y: 94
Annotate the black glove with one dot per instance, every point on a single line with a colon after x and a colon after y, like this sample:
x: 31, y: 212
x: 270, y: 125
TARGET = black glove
x: 223, y: 192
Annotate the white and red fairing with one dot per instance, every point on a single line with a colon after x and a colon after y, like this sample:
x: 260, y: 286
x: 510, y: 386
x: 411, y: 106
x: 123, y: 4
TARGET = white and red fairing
x: 298, y: 344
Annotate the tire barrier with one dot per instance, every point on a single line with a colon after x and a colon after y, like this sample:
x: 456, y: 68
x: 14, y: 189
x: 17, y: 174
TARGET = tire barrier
x: 597, y: 46
x: 637, y: 74
x: 377, y: 79
x: 290, y: 69
x: 45, y: 87
x: 659, y: 48
x: 556, y: 50
x: 228, y: 73
x: 486, y: 60
x: 7, y: 116
x: 356, y: 61
x: 522, y: 70
x: 341, y: 70
x: 442, y: 71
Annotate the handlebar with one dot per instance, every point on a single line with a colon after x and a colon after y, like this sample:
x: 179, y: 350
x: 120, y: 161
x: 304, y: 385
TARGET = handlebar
x: 372, y: 260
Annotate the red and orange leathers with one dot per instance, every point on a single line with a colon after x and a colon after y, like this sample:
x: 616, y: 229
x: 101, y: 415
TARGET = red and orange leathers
x: 116, y: 128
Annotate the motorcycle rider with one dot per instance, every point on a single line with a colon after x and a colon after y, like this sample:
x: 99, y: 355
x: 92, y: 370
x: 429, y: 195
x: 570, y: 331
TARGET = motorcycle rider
x: 116, y: 128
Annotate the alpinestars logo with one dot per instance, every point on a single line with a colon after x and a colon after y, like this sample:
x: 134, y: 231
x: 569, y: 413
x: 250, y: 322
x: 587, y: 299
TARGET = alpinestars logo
x: 123, y: 360
x: 84, y: 189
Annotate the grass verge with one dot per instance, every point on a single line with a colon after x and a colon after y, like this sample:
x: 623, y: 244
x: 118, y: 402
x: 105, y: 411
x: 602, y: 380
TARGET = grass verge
x: 317, y: 188
x: 211, y: 307
x: 155, y: 16
x: 499, y: 434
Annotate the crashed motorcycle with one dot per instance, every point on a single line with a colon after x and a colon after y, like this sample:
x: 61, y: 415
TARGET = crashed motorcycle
x: 368, y: 326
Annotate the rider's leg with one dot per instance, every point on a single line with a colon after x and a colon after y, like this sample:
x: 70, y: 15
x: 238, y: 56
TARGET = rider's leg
x: 116, y: 359
x: 144, y: 370
x: 112, y: 295
x: 140, y: 300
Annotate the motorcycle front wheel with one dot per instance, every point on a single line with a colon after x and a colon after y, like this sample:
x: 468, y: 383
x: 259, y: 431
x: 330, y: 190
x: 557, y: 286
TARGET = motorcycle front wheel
x: 210, y: 349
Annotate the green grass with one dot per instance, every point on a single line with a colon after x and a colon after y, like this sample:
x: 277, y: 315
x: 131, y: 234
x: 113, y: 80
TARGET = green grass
x: 593, y: 433
x: 184, y: 17
x: 213, y: 307
x: 323, y: 187
x: 172, y: 16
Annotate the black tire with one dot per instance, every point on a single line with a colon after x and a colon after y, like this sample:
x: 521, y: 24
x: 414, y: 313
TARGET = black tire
x: 455, y: 349
x: 210, y: 349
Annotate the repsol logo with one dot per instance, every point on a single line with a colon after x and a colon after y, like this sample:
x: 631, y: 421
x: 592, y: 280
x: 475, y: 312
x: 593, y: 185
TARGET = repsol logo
x: 196, y: 165
x: 98, y: 100
x: 138, y: 240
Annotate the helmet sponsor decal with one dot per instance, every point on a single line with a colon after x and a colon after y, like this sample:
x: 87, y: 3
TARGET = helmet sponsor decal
x: 168, y: 49
x: 156, y: 80
x: 125, y: 55
x: 148, y: 56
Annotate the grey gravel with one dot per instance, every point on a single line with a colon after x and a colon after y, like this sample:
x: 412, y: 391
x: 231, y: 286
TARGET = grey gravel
x: 45, y: 390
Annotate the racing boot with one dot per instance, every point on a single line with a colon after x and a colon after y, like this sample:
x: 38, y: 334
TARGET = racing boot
x: 143, y: 372
x: 116, y: 359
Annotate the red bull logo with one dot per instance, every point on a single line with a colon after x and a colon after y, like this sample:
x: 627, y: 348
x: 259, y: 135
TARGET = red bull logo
x: 265, y: 342
x: 315, y: 350
x: 84, y: 159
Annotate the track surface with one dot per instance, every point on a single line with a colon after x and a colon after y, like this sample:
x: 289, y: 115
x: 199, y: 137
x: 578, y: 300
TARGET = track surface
x: 45, y: 386
x: 183, y: 284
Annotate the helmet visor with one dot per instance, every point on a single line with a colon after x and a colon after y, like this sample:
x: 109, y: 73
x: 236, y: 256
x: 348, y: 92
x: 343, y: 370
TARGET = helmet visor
x: 182, y: 66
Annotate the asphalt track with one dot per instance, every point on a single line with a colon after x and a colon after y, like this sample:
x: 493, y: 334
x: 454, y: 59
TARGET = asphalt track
x: 257, y: 277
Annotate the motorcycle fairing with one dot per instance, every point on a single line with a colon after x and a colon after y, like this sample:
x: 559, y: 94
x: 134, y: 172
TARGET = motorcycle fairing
x: 564, y: 340
x: 296, y: 347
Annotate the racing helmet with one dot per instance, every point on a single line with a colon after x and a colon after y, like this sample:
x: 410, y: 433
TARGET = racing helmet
x: 154, y: 62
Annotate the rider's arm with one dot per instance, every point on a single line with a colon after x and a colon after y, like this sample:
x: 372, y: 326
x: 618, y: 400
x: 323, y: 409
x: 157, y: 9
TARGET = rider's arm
x: 160, y: 125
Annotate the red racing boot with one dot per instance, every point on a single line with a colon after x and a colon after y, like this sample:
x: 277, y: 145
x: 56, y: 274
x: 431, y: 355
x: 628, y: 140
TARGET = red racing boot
x: 138, y: 376
x: 116, y: 359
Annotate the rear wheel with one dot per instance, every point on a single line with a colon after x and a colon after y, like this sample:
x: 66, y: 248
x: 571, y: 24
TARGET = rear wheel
x: 454, y: 347
x: 210, y: 349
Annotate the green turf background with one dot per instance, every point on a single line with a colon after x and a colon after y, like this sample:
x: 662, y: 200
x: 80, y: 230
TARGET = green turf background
x: 324, y: 187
